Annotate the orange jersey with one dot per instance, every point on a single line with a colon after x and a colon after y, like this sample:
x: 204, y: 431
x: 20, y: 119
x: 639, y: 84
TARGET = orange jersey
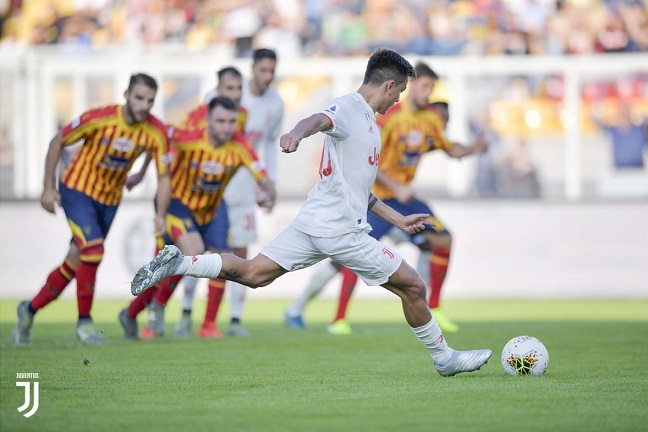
x: 197, y: 119
x: 406, y: 136
x: 110, y: 146
x: 200, y: 171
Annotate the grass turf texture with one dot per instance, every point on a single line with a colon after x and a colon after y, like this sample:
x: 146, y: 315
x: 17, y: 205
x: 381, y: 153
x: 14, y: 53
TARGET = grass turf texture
x: 377, y: 379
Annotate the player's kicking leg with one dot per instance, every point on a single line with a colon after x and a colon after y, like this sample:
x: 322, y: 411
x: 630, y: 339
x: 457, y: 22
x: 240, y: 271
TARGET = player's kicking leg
x: 257, y: 272
x: 406, y: 284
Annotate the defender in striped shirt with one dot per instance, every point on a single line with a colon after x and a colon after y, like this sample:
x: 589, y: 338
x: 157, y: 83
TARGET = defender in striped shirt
x: 204, y: 163
x: 230, y: 85
x: 90, y: 190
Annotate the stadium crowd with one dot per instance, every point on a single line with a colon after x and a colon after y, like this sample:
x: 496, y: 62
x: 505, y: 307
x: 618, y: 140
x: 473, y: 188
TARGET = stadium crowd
x: 335, y: 27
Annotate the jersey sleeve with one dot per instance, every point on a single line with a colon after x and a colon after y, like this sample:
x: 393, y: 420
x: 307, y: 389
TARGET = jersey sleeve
x: 184, y: 139
x: 80, y: 128
x: 335, y: 113
x: 196, y: 117
x: 250, y: 159
x: 158, y: 148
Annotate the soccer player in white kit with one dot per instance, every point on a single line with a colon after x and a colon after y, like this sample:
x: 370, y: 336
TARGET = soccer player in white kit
x: 332, y: 223
x: 265, y: 110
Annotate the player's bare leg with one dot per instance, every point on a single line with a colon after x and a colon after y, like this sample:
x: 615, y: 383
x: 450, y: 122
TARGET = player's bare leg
x: 257, y: 272
x: 408, y: 285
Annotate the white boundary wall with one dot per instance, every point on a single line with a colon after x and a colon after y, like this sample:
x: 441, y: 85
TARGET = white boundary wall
x: 502, y: 250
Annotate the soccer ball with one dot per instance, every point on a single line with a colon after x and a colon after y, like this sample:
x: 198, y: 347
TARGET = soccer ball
x: 525, y: 355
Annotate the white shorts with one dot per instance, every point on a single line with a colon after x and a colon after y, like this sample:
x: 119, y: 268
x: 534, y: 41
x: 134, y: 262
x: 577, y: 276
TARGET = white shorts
x: 242, y: 225
x: 366, y: 256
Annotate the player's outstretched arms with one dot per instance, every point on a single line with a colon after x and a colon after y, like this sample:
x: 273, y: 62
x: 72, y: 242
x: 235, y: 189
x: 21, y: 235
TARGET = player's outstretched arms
x: 458, y: 151
x: 134, y: 179
x: 50, y: 195
x: 411, y: 224
x: 49, y: 198
x: 289, y: 142
x: 267, y: 195
x: 414, y: 223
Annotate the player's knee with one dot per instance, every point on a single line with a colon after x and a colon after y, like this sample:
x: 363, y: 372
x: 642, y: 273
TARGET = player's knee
x: 417, y: 289
x: 92, y: 253
x: 74, y: 254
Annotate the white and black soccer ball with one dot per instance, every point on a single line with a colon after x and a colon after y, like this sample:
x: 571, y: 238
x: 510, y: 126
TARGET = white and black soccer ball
x: 525, y: 355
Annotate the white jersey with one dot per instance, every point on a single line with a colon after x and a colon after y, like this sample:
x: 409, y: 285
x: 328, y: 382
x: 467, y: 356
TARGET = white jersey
x: 338, y: 203
x: 262, y: 128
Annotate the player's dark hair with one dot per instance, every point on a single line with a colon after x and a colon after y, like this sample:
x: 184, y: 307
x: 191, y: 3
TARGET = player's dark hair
x: 423, y: 69
x: 142, y: 78
x: 228, y: 70
x: 385, y: 64
x: 263, y: 53
x: 223, y: 101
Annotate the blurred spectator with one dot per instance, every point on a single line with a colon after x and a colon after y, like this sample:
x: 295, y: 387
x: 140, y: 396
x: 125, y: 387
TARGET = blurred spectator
x: 517, y: 177
x: 337, y: 27
x: 629, y: 136
x: 240, y: 25
x: 277, y: 34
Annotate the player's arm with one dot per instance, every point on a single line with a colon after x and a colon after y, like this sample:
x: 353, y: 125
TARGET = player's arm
x: 134, y: 179
x: 403, y: 192
x: 457, y: 150
x: 50, y: 195
x: 318, y: 122
x: 411, y: 224
x: 269, y: 194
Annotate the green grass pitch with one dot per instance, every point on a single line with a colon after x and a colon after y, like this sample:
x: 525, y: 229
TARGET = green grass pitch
x: 377, y: 379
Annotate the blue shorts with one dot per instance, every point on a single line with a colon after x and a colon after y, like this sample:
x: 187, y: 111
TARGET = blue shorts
x: 382, y: 227
x: 180, y: 221
x: 89, y: 220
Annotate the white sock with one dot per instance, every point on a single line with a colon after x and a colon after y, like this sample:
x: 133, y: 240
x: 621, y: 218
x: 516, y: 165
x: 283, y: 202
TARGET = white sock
x: 317, y: 283
x: 431, y: 337
x: 190, y: 284
x: 237, y: 298
x: 423, y: 267
x: 201, y: 266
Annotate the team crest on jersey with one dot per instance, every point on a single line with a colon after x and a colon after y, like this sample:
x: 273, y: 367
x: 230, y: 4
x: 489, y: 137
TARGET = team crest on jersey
x: 212, y: 168
x: 123, y: 144
x: 332, y: 109
x: 414, y: 138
